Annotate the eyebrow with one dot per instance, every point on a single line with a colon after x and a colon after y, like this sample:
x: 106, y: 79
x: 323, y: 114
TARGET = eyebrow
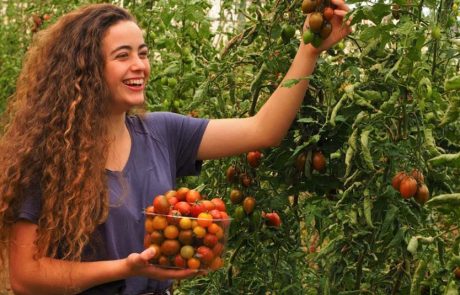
x: 128, y: 48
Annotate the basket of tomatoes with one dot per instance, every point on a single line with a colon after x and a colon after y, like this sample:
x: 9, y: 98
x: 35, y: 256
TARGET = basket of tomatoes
x: 186, y: 230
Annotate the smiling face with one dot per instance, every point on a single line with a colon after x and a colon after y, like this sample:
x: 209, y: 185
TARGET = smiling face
x: 127, y: 66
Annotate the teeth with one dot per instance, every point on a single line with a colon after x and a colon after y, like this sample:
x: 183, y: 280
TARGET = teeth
x: 134, y: 82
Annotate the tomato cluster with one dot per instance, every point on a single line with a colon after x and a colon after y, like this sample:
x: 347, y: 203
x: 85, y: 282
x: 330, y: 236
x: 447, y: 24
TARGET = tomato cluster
x: 186, y: 230
x: 318, y: 161
x: 411, y: 185
x: 319, y: 25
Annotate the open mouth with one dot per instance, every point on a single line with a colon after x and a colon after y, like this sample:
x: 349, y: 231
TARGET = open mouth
x: 134, y: 82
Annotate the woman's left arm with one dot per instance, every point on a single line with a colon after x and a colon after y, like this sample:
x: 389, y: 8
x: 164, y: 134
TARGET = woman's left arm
x: 227, y: 137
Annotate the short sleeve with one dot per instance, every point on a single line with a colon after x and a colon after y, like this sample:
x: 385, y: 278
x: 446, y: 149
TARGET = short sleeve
x: 31, y: 206
x: 182, y: 135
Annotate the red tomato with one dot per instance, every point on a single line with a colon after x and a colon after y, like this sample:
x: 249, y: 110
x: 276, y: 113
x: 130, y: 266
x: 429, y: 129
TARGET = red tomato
x: 179, y: 261
x: 208, y: 205
x: 408, y: 187
x: 328, y: 13
x: 219, y: 203
x: 172, y: 201
x: 319, y: 161
x: 173, y: 217
x: 218, y: 249
x: 161, y: 205
x: 216, y: 263
x: 181, y: 193
x: 183, y: 207
x: 210, y: 240
x: 254, y: 158
x: 196, y: 209
x: 273, y: 219
x: 205, y: 254
x: 225, y: 218
x: 396, y: 181
x: 215, y: 214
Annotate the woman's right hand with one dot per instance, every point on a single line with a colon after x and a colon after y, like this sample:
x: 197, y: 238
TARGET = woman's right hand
x: 139, y: 264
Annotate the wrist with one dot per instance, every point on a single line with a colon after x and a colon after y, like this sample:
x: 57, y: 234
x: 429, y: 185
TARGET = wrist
x: 127, y: 269
x: 309, y: 51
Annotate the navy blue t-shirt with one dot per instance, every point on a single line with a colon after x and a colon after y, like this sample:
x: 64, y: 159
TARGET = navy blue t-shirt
x: 164, y: 147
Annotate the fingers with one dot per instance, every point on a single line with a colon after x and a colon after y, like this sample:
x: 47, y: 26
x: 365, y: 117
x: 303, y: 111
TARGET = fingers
x: 341, y: 5
x: 136, y: 259
x: 148, y: 254
x: 341, y: 13
x: 175, y: 274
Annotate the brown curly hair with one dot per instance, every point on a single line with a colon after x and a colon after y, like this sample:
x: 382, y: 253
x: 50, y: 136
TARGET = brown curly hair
x: 56, y: 131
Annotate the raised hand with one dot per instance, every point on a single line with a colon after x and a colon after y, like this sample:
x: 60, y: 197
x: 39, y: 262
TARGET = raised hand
x: 340, y: 29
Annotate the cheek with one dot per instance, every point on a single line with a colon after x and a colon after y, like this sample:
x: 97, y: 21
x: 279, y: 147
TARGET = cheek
x: 147, y: 69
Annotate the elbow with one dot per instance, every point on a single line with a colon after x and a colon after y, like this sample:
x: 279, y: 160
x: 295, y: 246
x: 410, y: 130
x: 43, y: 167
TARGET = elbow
x: 20, y: 287
x: 273, y: 141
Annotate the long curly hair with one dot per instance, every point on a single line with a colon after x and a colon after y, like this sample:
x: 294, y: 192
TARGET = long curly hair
x: 55, y: 133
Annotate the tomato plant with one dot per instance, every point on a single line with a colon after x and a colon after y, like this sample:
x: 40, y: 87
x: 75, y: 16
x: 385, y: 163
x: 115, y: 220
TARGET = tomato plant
x: 384, y: 100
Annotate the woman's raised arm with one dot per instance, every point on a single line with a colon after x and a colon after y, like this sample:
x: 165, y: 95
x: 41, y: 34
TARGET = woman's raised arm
x: 227, y: 137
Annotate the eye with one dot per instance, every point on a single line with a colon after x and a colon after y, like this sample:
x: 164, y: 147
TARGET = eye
x: 122, y: 55
x: 144, y: 54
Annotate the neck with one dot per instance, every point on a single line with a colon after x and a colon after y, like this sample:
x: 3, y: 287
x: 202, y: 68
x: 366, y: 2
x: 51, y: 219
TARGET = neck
x: 117, y: 127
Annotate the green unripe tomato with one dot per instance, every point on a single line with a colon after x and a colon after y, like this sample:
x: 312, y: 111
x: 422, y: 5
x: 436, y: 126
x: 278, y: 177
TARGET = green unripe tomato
x: 172, y: 82
x: 287, y: 33
x: 436, y: 33
x: 239, y: 213
x: 316, y: 42
x: 166, y: 103
x: 340, y: 45
x: 307, y: 36
x: 177, y: 104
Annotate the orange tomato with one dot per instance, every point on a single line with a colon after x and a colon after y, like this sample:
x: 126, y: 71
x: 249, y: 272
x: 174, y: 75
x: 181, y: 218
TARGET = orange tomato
x: 159, y: 222
x: 148, y: 224
x: 199, y: 231
x: 185, y: 223
x: 193, y: 263
x: 204, y: 219
x: 171, y: 232
x: 170, y: 247
x: 214, y: 228
x: 193, y: 196
x: 157, y: 237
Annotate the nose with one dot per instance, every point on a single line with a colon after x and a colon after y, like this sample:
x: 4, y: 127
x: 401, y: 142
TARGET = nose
x: 138, y: 64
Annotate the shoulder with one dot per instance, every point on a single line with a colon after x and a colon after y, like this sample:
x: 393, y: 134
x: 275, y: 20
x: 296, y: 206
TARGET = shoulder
x: 159, y: 122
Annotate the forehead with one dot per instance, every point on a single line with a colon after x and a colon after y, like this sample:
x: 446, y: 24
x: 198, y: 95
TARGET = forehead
x: 122, y: 33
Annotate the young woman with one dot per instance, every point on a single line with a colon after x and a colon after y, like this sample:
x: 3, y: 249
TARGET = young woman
x: 78, y: 170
